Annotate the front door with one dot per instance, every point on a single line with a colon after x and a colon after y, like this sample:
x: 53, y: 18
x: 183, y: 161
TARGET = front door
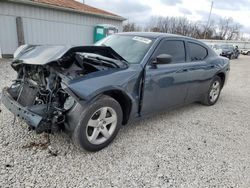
x: 165, y: 85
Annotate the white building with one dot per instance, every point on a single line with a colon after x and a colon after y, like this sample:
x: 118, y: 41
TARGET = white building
x: 50, y: 22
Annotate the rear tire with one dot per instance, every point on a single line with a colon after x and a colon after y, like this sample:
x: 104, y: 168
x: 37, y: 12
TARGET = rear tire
x: 213, y: 93
x: 98, y: 125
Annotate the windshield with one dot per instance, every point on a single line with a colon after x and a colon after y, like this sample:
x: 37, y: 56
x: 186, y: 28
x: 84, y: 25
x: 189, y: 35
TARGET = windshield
x: 131, y: 48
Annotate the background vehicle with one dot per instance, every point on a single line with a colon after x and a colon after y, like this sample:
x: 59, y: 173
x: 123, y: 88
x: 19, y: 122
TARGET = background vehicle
x: 245, y: 52
x: 91, y: 91
x: 229, y: 51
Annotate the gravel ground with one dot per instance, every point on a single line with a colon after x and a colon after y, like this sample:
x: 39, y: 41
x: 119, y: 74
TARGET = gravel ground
x: 193, y: 146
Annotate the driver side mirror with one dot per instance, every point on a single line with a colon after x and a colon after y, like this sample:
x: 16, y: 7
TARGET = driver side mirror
x: 163, y: 59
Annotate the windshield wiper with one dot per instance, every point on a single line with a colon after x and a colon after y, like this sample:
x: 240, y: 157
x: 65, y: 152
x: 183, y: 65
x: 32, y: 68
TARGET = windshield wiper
x: 115, y: 62
x: 100, y: 60
x: 105, y: 60
x: 123, y: 60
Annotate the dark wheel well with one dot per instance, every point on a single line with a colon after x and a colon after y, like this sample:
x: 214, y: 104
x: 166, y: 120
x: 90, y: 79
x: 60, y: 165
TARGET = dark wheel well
x: 222, y: 77
x: 124, y: 101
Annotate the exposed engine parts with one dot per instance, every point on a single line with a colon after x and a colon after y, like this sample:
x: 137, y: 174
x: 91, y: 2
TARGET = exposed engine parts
x: 38, y: 88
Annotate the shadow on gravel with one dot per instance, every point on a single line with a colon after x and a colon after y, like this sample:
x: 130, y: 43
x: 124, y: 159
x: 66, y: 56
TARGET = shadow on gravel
x: 59, y: 144
x: 48, y: 141
x: 165, y: 114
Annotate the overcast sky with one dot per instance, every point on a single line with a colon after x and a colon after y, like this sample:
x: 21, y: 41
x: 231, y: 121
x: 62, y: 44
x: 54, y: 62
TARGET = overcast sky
x: 140, y: 11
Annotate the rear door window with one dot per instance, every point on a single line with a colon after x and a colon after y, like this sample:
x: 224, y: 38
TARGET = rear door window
x: 197, y: 52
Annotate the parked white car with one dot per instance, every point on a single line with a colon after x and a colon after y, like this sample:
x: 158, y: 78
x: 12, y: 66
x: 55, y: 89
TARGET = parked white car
x: 245, y: 52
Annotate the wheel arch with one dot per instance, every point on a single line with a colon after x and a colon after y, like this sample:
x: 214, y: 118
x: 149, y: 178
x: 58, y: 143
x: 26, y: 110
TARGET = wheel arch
x: 124, y: 100
x: 222, y: 77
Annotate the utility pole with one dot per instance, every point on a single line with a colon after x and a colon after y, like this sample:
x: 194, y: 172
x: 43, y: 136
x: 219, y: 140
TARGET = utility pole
x: 208, y: 21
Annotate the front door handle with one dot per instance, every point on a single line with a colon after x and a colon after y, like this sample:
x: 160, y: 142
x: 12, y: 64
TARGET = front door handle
x: 182, y: 70
x: 212, y: 66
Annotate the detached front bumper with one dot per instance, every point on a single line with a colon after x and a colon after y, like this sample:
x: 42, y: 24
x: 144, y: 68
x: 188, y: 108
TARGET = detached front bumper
x: 21, y: 112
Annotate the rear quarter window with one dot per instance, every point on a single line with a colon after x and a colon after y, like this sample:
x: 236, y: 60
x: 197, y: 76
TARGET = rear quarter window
x: 197, y: 52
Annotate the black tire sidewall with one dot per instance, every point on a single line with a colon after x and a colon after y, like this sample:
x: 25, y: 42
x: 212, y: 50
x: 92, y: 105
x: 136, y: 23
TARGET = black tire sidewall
x: 79, y: 134
x: 206, y: 99
x: 216, y: 78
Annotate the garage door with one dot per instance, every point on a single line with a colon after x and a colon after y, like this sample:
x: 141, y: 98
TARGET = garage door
x: 8, y: 36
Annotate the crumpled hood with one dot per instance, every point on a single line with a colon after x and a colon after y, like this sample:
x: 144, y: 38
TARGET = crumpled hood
x: 45, y: 54
x: 39, y: 55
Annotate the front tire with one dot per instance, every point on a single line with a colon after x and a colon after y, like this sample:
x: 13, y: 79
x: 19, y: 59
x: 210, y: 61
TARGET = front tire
x: 213, y: 93
x: 98, y: 125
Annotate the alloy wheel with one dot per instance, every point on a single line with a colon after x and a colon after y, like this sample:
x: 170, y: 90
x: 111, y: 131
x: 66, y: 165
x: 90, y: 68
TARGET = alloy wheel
x: 215, y: 91
x: 101, y: 125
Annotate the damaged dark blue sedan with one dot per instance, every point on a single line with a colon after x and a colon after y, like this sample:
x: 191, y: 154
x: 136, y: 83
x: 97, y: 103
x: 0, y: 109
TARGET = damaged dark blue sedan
x: 90, y: 91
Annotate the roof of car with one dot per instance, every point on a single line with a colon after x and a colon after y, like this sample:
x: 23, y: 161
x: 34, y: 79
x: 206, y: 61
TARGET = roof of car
x: 156, y: 35
x: 152, y: 34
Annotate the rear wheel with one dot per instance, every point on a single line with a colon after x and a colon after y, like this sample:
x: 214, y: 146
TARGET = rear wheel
x: 99, y: 124
x: 213, y: 93
x: 248, y: 53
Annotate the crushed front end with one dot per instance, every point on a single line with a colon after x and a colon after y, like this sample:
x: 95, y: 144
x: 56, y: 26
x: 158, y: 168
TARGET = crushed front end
x: 41, y: 96
x: 36, y: 96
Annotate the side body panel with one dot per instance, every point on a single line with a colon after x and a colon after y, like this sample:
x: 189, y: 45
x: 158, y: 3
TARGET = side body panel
x: 126, y: 81
x: 172, y: 85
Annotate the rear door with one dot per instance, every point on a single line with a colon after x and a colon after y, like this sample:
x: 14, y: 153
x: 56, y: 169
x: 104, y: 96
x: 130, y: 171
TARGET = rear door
x: 200, y: 70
